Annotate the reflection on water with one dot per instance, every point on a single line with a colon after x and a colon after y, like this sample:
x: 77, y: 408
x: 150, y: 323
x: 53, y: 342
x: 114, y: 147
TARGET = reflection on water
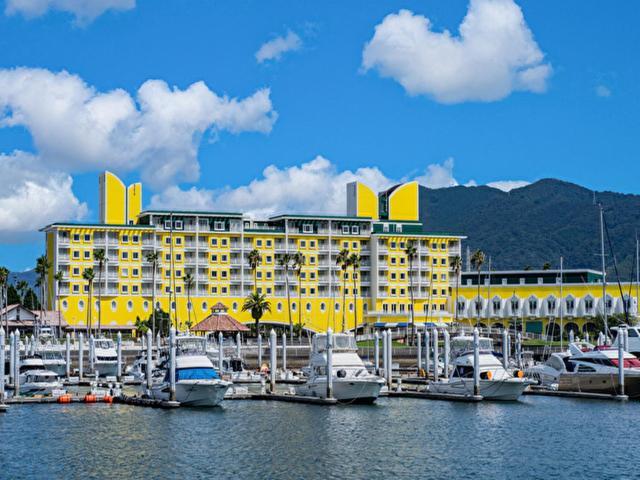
x: 402, y: 438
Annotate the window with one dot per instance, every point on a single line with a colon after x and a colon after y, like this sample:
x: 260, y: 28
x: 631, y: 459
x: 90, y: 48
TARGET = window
x: 214, y: 258
x: 443, y: 261
x: 76, y: 237
x: 218, y: 225
x: 355, y: 230
x: 393, y: 245
x: 223, y: 258
x: 178, y: 224
x: 393, y: 260
x: 443, y: 246
x: 223, y: 290
x: 322, y: 307
x: 125, y: 238
x: 76, y: 254
x: 312, y: 244
x: 136, y: 255
x: 214, y: 289
x: 87, y: 255
x: 279, y: 306
x: 204, y: 306
x: 533, y: 305
x: 214, y: 274
x: 125, y: 255
x: 178, y: 289
x: 268, y: 274
x: 178, y: 257
x: 293, y: 306
x: 588, y: 304
x: 385, y: 307
x: 435, y: 261
x: 125, y: 289
x: 76, y: 271
x: 399, y: 227
x: 345, y: 229
x: 354, y: 245
x: 167, y: 257
x: 134, y: 289
x: 307, y: 228
x: 496, y: 306
x: 394, y: 308
x: 393, y: 275
x: 258, y: 243
x: 345, y: 245
x: 136, y: 239
x: 385, y: 228
x: 167, y: 225
x: 76, y: 288
x: 402, y: 308
x: 178, y: 240
x: 167, y: 240
x: 336, y: 307
x: 214, y: 242
x: 87, y: 237
x: 224, y: 242
x: 303, y: 244
x: 308, y: 306
x: 124, y: 272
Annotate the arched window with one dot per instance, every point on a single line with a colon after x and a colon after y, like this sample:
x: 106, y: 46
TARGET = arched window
x: 204, y: 306
x: 114, y: 305
x: 129, y: 305
x: 145, y: 306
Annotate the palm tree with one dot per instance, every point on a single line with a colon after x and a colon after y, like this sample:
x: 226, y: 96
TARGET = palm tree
x: 546, y: 266
x: 343, y: 261
x: 152, y: 258
x: 100, y: 257
x: 354, y: 261
x: 189, y: 282
x: 4, y: 282
x: 284, y: 260
x: 456, y: 265
x: 411, y: 252
x: 42, y: 270
x: 58, y: 277
x: 22, y: 287
x: 89, y: 275
x: 255, y: 259
x: 258, y: 305
x: 299, y: 261
x: 477, y: 259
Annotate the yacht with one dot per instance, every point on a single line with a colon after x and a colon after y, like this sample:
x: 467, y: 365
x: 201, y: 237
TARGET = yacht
x: 496, y: 383
x: 138, y: 369
x: 53, y: 359
x: 105, y: 357
x: 35, y: 379
x: 198, y: 384
x: 235, y: 369
x: 352, y: 382
x: 585, y: 368
x: 634, y: 338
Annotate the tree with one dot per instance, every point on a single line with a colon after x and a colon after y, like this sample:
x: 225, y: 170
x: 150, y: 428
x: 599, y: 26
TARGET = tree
x: 546, y: 266
x: 42, y: 270
x: 284, y: 260
x: 12, y: 296
x: 255, y: 259
x: 258, y: 305
x: 477, y: 259
x: 456, y: 265
x: 342, y: 260
x: 22, y: 286
x: 411, y: 252
x: 31, y: 300
x: 100, y: 257
x: 189, y: 283
x: 299, y: 261
x: 89, y: 275
x: 354, y: 261
x: 58, y: 277
x: 152, y: 258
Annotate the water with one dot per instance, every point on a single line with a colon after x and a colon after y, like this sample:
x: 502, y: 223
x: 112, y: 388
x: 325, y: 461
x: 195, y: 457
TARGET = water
x: 537, y: 437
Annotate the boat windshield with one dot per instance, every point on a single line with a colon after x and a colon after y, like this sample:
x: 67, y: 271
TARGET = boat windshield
x: 466, y: 344
x: 104, y: 344
x: 191, y: 346
x: 340, y: 342
x: 196, y: 374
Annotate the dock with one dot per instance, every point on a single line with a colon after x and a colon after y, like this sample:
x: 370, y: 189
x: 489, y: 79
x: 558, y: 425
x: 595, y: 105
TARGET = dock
x: 568, y: 394
x: 450, y: 397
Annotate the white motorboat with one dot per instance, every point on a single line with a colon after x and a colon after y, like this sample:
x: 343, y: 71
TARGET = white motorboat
x: 235, y: 369
x: 138, y: 369
x: 53, y: 359
x: 633, y: 332
x: 198, y: 384
x: 496, y: 383
x: 352, y: 382
x: 35, y: 379
x: 105, y: 357
x: 586, y: 368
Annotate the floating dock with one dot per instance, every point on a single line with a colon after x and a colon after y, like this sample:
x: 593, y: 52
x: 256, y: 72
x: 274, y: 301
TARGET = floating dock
x: 584, y: 395
x: 451, y: 397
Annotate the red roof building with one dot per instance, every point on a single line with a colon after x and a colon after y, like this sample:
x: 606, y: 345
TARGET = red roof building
x: 219, y: 321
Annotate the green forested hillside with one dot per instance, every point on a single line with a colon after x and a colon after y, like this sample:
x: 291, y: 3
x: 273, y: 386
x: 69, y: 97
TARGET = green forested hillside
x: 537, y: 223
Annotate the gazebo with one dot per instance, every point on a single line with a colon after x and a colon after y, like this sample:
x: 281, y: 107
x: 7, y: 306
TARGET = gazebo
x: 219, y: 321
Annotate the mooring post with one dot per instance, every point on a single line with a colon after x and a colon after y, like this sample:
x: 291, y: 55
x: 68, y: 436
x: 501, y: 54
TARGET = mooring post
x: 67, y: 341
x: 30, y: 348
x: 436, y: 367
x: 92, y: 354
x: 476, y: 362
x: 447, y: 352
x: 571, y: 337
x: 376, y: 352
x: 16, y: 365
x: 80, y: 356
x: 505, y: 348
x: 238, y: 345
x: 12, y: 359
x: 626, y: 340
x: 220, y: 353
x: 158, y: 342
x: 273, y: 363
x: 385, y: 352
x: 427, y: 351
x: 620, y: 364
x: 389, y: 359
x: 329, y: 363
x: 519, y: 349
x: 419, y: 351
x: 284, y: 354
x: 2, y: 360
x: 172, y: 364
x: 119, y: 356
x: 149, y: 368
x: 259, y: 351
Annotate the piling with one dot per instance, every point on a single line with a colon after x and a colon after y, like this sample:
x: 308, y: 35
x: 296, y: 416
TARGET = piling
x: 419, y: 351
x: 149, y: 368
x: 505, y: 348
x: 435, y: 354
x: 119, y: 356
x: 67, y: 341
x: 220, y: 352
x: 626, y: 340
x: 329, y: 363
x: 16, y: 365
x: 30, y: 349
x: 238, y: 345
x: 376, y: 352
x: 519, y: 349
x: 80, y: 356
x: 284, y: 353
x: 571, y: 336
x: 12, y: 359
x: 447, y: 351
x: 620, y: 364
x: 476, y: 362
x: 92, y: 353
x: 172, y: 364
x: 389, y: 359
x: 273, y: 360
x: 586, y: 337
x: 427, y: 350
x: 2, y: 358
x: 158, y: 341
x: 385, y: 352
x: 259, y: 351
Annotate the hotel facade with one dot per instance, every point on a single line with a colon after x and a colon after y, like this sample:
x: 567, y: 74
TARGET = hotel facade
x: 213, y: 248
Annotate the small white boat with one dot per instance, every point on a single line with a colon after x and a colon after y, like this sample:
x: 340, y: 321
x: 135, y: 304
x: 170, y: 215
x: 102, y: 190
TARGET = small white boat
x: 352, y: 382
x: 496, y: 383
x: 35, y: 379
x: 138, y: 369
x: 105, y: 357
x: 198, y: 384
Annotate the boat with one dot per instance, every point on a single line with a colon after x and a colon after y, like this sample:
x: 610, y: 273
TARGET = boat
x: 35, y: 379
x: 105, y: 357
x: 198, y: 384
x: 138, y: 369
x: 590, y: 369
x: 352, y: 382
x: 53, y: 359
x: 236, y: 370
x: 633, y: 333
x: 496, y: 383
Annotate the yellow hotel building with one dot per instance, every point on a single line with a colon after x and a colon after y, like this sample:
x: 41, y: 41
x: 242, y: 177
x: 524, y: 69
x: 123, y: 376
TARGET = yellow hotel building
x: 213, y: 247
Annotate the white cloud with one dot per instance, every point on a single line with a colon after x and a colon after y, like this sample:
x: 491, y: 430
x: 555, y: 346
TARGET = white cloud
x: 275, y: 48
x: 438, y: 176
x: 77, y: 128
x: 33, y: 196
x: 493, y: 55
x: 603, y: 91
x: 84, y: 11
x: 508, y: 185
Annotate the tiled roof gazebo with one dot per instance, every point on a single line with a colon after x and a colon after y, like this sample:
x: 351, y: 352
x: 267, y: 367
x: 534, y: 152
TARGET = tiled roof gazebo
x: 219, y: 321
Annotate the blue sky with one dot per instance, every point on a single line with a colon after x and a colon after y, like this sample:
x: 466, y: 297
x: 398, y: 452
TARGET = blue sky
x: 317, y: 114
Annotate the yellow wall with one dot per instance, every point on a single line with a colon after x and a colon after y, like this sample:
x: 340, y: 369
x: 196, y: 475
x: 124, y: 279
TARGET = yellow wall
x: 112, y: 199
x: 134, y: 202
x: 367, y: 201
x: 403, y: 202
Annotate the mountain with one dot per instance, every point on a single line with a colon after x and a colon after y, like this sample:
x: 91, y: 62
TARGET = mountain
x: 28, y: 275
x: 537, y: 223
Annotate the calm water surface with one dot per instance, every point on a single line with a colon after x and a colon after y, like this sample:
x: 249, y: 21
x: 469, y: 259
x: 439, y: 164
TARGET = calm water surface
x: 404, y: 438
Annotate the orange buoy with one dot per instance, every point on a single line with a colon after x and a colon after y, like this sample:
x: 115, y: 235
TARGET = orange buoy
x: 107, y: 399
x: 88, y: 398
x: 64, y: 398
